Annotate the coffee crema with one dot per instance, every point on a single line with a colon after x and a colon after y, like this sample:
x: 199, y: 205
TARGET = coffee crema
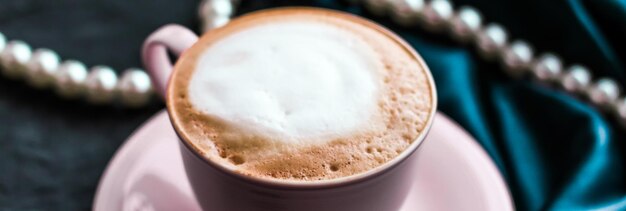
x: 300, y: 94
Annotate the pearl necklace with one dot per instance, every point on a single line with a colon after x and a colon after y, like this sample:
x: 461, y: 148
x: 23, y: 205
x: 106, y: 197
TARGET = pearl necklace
x: 100, y: 85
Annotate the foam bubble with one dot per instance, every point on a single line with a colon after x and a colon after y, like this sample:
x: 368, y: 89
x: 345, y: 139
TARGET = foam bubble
x: 289, y: 81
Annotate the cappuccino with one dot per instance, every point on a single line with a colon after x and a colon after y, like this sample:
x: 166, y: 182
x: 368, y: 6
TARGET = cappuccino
x: 309, y: 95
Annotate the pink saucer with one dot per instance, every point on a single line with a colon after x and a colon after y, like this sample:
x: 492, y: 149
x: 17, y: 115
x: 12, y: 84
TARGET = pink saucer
x: 455, y: 173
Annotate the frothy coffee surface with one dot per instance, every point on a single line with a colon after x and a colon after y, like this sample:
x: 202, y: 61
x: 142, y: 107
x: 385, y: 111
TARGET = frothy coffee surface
x: 291, y: 82
x: 300, y: 96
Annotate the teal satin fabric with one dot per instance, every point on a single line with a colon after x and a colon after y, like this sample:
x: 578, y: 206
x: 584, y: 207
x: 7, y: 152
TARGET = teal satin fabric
x: 556, y: 151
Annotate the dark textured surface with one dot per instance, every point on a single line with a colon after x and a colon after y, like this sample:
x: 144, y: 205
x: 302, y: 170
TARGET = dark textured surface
x: 555, y: 151
x: 53, y: 151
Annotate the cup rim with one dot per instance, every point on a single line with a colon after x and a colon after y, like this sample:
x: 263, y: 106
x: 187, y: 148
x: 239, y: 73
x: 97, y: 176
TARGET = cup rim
x: 328, y: 183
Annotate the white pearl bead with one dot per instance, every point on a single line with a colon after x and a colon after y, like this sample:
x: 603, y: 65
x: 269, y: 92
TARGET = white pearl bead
x: 134, y: 87
x: 517, y: 56
x: 604, y: 92
x: 466, y: 23
x: 100, y: 83
x: 3, y: 41
x: 377, y: 7
x: 491, y: 39
x: 215, y: 8
x: 437, y: 14
x: 42, y: 67
x: 576, y: 79
x: 406, y: 12
x: 14, y: 58
x: 70, y: 79
x: 547, y: 67
x: 214, y: 22
x: 620, y: 109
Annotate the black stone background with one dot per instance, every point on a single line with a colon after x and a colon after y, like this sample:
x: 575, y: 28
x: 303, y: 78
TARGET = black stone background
x: 53, y: 151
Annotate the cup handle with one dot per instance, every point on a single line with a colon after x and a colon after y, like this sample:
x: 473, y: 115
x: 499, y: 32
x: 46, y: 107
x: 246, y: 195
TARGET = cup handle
x: 172, y: 37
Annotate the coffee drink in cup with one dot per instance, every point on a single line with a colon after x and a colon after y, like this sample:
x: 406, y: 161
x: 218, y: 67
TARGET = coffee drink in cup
x: 300, y: 95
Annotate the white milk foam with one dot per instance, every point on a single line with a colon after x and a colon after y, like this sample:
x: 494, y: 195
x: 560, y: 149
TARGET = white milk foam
x: 291, y: 81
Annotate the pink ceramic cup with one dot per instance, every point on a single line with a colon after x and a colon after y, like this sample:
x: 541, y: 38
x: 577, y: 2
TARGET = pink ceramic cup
x: 217, y: 188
